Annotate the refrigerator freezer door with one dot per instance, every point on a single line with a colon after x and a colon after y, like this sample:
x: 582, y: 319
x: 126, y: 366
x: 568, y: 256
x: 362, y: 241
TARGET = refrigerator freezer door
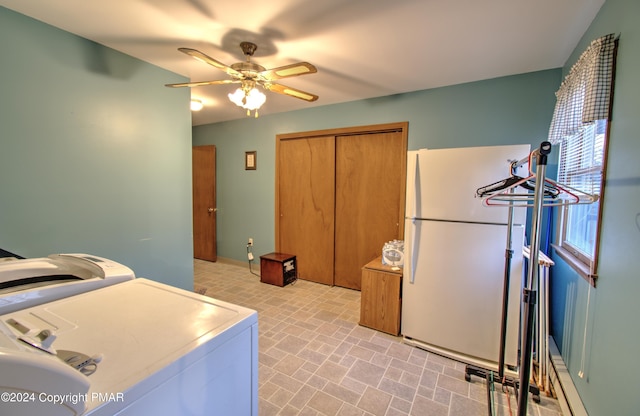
x: 442, y: 183
x: 452, y: 300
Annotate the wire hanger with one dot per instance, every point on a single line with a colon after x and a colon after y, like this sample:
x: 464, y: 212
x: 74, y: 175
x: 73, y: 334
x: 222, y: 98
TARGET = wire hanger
x: 504, y: 192
x: 514, y: 181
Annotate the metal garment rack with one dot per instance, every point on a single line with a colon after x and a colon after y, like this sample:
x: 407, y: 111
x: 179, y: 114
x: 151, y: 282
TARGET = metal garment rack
x: 488, y: 375
x: 541, y: 197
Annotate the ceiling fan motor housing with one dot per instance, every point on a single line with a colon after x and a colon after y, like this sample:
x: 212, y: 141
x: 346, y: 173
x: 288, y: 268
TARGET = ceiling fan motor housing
x: 248, y: 69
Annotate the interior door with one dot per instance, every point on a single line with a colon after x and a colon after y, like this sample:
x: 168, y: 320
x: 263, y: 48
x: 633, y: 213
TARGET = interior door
x: 204, y: 202
x: 306, y: 178
x: 370, y: 190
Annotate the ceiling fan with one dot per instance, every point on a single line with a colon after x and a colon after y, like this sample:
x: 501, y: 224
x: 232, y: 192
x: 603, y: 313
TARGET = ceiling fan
x: 249, y: 74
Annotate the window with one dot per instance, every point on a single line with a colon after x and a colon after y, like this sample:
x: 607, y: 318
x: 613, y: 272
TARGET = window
x: 580, y: 127
x: 581, y: 166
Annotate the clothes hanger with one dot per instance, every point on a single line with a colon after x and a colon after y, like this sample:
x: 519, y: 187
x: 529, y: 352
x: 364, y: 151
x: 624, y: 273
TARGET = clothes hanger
x: 514, y: 181
x: 555, y: 194
x: 511, y: 182
x: 566, y: 196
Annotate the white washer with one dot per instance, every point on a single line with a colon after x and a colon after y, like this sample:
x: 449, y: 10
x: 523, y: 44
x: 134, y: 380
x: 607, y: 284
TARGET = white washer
x: 29, y: 282
x: 163, y: 351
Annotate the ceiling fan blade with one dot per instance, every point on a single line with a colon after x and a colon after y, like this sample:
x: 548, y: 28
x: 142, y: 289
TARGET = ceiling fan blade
x: 292, y: 70
x: 209, y: 60
x: 283, y: 89
x: 202, y: 83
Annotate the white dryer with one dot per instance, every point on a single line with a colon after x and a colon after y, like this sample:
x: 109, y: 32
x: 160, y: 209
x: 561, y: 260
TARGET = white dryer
x: 143, y: 348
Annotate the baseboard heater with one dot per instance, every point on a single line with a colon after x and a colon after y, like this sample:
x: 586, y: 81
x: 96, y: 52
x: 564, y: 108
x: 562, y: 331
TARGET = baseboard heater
x: 568, y: 397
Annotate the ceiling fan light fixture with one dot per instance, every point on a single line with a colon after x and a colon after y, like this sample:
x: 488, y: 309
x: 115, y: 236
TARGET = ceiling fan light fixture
x: 248, y: 99
x: 196, y: 105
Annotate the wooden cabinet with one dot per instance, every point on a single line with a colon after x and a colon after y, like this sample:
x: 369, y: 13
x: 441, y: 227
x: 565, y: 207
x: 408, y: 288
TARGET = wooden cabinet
x: 339, y: 197
x: 381, y: 297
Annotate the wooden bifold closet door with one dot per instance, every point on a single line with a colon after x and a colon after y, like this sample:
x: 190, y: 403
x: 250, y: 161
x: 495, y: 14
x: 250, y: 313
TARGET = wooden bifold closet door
x: 339, y: 198
x: 370, y: 189
x: 306, y: 205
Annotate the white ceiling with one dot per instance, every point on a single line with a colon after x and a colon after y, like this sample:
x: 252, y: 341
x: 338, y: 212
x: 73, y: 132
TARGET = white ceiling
x: 362, y: 48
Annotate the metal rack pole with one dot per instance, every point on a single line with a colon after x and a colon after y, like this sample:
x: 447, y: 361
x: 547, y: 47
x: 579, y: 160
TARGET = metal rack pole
x: 505, y: 293
x: 529, y: 296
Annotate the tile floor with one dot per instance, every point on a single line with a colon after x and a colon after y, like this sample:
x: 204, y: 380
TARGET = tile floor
x: 314, y: 358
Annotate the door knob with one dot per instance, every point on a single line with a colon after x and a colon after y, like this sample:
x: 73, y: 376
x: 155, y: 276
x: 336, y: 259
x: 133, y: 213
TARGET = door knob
x: 212, y: 209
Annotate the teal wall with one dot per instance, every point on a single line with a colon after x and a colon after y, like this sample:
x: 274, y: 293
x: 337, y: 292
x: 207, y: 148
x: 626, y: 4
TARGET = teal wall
x: 515, y: 109
x: 95, y: 153
x: 611, y: 366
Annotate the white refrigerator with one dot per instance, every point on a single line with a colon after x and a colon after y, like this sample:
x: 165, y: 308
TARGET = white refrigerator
x: 455, y: 249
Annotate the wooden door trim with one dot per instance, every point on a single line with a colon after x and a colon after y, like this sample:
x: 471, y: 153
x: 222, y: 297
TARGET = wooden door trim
x: 342, y: 131
x: 403, y: 127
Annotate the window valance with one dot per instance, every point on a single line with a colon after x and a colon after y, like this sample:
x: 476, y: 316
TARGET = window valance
x: 584, y: 95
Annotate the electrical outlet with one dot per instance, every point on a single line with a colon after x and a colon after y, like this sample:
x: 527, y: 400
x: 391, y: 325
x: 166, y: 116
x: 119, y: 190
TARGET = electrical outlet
x: 250, y: 241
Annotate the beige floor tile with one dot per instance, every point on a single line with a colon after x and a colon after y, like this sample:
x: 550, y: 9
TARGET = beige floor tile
x: 315, y: 360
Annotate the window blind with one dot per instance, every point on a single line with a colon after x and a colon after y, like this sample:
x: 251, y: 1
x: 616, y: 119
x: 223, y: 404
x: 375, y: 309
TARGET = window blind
x: 581, y: 159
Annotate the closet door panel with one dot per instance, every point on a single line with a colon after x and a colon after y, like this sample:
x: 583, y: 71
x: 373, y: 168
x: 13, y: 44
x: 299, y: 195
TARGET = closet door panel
x: 306, y: 202
x: 370, y: 189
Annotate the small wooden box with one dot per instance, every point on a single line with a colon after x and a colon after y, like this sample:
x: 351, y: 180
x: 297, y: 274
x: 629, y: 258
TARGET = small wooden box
x: 278, y: 269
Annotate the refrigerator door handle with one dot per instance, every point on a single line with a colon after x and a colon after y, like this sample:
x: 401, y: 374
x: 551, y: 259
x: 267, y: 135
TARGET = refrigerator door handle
x: 416, y: 206
x: 417, y: 197
x: 415, y: 237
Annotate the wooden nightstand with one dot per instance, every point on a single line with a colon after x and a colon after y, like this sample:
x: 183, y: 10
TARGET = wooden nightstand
x: 381, y: 297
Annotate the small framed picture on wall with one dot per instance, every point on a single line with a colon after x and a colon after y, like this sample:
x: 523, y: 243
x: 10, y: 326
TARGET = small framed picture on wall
x: 250, y: 160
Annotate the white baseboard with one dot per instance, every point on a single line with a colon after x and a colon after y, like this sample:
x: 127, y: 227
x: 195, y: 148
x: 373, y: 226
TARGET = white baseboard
x: 568, y: 397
